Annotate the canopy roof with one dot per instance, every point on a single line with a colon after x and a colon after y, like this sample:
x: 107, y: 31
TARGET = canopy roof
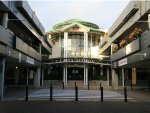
x: 63, y: 26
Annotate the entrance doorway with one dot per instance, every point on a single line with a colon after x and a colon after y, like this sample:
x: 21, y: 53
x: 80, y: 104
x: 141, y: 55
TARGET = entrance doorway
x: 75, y: 73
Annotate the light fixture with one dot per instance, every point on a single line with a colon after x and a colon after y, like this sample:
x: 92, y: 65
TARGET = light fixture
x: 16, y: 67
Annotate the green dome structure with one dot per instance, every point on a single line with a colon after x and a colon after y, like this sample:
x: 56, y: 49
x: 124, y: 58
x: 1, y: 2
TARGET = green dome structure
x: 61, y: 27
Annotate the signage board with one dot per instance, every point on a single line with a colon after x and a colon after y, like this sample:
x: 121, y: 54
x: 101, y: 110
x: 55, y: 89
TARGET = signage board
x: 122, y: 62
x: 30, y: 60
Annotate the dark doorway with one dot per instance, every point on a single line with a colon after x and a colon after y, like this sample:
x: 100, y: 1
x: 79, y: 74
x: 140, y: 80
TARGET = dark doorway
x: 75, y: 73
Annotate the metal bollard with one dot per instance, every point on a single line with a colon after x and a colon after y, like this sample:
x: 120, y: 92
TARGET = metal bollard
x: 125, y: 94
x: 26, y: 98
x: 101, y: 94
x: 76, y: 93
x: 100, y: 85
x: 63, y: 85
x: 88, y: 86
x: 51, y: 92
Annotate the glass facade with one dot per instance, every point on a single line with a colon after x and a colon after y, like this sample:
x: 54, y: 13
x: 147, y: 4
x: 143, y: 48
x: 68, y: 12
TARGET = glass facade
x: 75, y: 44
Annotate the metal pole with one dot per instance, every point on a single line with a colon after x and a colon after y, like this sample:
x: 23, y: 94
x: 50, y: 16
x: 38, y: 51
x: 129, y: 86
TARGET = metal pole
x: 125, y: 94
x: 51, y: 92
x: 100, y: 85
x: 76, y: 93
x: 26, y: 99
x: 101, y: 94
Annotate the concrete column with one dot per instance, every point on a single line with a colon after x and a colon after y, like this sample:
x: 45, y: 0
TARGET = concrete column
x: 111, y: 51
x: 66, y: 76
x: 42, y: 77
x: 2, y: 73
x: 5, y: 19
x: 40, y: 48
x: 37, y: 76
x: 101, y: 66
x: 148, y: 21
x: 16, y: 75
x: 86, y: 83
x: 108, y: 76
x: 65, y: 44
x: 123, y: 77
x: 114, y: 79
x: 133, y: 76
x: 85, y: 44
x: 84, y: 75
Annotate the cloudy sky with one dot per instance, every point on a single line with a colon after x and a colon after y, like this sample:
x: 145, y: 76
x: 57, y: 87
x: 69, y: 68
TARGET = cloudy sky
x: 101, y: 12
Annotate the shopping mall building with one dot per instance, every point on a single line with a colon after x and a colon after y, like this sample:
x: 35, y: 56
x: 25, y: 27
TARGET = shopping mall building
x: 75, y: 53
x: 129, y: 42
x: 22, y: 45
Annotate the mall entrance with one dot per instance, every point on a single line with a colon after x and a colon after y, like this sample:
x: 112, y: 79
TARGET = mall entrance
x: 75, y: 73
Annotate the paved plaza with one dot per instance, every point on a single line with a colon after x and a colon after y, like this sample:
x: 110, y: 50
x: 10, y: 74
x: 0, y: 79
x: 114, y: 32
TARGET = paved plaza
x: 89, y: 102
x: 70, y: 94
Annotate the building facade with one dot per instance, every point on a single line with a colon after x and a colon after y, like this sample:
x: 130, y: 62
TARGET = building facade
x: 75, y: 52
x: 22, y: 45
x: 128, y: 45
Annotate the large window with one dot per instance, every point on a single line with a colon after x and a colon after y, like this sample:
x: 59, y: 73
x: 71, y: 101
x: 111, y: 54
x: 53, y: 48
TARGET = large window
x: 75, y: 45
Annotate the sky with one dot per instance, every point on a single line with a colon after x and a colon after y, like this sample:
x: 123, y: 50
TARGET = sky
x: 101, y: 12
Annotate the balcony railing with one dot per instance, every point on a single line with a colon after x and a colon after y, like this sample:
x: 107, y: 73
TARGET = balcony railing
x: 23, y: 47
x: 126, y: 50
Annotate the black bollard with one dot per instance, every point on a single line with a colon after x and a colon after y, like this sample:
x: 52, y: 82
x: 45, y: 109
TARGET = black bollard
x: 76, y: 93
x: 101, y: 94
x: 63, y: 85
x: 100, y: 86
x: 26, y: 98
x: 51, y: 92
x: 125, y: 94
x: 88, y: 86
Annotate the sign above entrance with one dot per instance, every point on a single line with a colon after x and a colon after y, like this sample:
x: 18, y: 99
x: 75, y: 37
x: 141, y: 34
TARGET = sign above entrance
x: 122, y: 62
x: 30, y: 60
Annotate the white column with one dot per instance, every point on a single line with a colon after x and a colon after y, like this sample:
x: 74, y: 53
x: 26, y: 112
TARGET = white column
x: 91, y: 44
x: 108, y: 75
x: 66, y: 76
x: 85, y: 44
x: 122, y: 77
x: 2, y: 73
x: 65, y: 44
x: 37, y: 78
x: 86, y: 76
x: 85, y: 56
x: 148, y: 21
x: 114, y: 79
x: 4, y: 19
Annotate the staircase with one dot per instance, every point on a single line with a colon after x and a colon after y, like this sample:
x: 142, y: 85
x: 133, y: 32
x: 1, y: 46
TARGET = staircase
x: 94, y: 84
